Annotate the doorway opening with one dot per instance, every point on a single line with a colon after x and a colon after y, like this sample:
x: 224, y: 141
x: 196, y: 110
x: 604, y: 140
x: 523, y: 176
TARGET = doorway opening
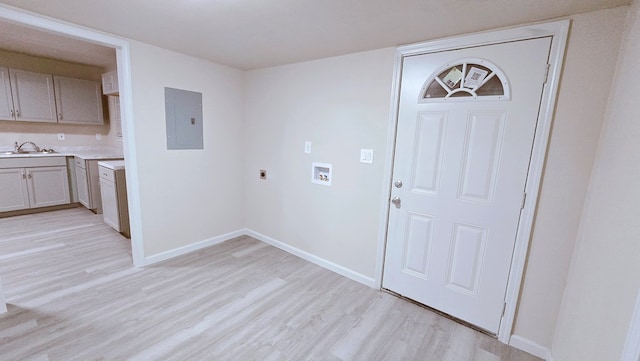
x: 481, y: 123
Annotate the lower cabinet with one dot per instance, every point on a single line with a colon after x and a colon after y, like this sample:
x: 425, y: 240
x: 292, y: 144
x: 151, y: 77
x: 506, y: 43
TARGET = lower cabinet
x: 88, y: 183
x: 114, y: 198
x: 33, y: 183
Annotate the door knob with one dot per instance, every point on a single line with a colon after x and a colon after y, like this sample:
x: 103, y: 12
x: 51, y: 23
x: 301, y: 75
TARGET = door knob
x: 396, y: 201
x: 398, y: 184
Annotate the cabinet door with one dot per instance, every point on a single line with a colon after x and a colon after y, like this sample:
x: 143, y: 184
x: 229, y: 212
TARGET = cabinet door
x: 83, y: 187
x: 115, y: 121
x: 48, y: 186
x: 79, y: 101
x: 93, y: 184
x: 6, y: 103
x: 110, y: 83
x: 110, y: 204
x: 13, y: 190
x: 33, y: 98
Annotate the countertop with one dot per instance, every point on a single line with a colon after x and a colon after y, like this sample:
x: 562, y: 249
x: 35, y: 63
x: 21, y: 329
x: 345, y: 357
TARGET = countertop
x: 83, y: 154
x: 112, y: 164
x: 88, y: 155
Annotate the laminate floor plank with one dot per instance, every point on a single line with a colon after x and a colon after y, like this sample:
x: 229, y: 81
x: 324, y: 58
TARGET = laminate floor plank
x: 73, y: 294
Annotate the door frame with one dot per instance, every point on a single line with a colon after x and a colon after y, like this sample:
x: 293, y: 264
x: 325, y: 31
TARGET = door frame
x: 631, y: 350
x: 123, y: 60
x: 558, y: 30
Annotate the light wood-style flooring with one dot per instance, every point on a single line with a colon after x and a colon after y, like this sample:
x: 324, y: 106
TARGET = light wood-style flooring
x: 73, y: 294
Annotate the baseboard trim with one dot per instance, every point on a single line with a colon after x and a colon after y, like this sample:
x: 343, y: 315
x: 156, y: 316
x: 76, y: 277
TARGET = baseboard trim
x: 343, y: 271
x: 3, y: 304
x: 531, y: 347
x: 191, y: 247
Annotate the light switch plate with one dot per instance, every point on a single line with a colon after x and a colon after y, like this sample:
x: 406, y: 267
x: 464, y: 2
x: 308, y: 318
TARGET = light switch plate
x: 307, y: 147
x: 366, y: 156
x: 60, y: 136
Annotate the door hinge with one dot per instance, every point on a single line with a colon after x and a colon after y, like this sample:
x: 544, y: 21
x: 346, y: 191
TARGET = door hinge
x: 524, y: 199
x: 504, y: 308
x: 546, y: 73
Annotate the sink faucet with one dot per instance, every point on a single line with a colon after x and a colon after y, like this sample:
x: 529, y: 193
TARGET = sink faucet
x: 19, y: 147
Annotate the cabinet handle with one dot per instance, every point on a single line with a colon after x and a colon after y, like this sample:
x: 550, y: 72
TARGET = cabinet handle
x: 24, y: 175
x: 29, y: 175
x: 17, y: 114
x: 13, y: 113
x: 59, y: 116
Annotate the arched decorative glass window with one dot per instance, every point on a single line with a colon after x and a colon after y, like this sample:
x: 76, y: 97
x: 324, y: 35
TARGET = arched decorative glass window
x: 466, y: 79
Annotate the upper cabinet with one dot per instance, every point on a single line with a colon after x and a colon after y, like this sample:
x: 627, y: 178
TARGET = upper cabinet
x: 110, y: 83
x: 36, y: 97
x: 32, y: 95
x: 6, y: 103
x: 78, y: 101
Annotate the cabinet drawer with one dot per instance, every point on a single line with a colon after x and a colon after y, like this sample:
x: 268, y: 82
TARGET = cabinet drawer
x: 79, y: 162
x: 107, y: 174
x: 23, y: 162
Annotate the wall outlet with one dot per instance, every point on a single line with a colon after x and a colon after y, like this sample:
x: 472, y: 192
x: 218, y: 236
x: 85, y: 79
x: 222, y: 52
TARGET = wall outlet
x: 98, y: 136
x: 366, y: 156
x: 263, y: 174
x: 60, y: 136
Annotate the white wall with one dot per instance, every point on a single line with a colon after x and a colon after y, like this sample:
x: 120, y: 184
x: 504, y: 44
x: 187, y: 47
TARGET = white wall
x: 260, y: 120
x: 340, y: 104
x: 187, y: 196
x: 603, y: 282
x: 592, y: 48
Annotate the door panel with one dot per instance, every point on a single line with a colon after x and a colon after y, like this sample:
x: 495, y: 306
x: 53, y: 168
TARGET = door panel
x: 430, y: 129
x: 417, y: 245
x: 481, y: 156
x: 467, y: 254
x: 465, y: 162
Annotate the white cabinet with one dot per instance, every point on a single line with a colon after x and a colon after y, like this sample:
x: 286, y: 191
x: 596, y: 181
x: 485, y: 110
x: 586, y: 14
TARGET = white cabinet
x: 13, y: 190
x: 114, y: 115
x: 33, y: 183
x: 110, y: 83
x: 33, y: 96
x: 88, y: 183
x: 36, y: 97
x: 78, y: 101
x: 6, y: 103
x: 114, y: 196
x: 82, y: 184
x: 48, y: 186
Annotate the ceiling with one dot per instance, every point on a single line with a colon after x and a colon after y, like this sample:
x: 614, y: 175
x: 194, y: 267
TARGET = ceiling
x: 24, y: 40
x: 250, y: 34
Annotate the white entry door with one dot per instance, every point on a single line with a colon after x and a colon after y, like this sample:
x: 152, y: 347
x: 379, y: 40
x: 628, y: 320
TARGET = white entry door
x: 466, y: 124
